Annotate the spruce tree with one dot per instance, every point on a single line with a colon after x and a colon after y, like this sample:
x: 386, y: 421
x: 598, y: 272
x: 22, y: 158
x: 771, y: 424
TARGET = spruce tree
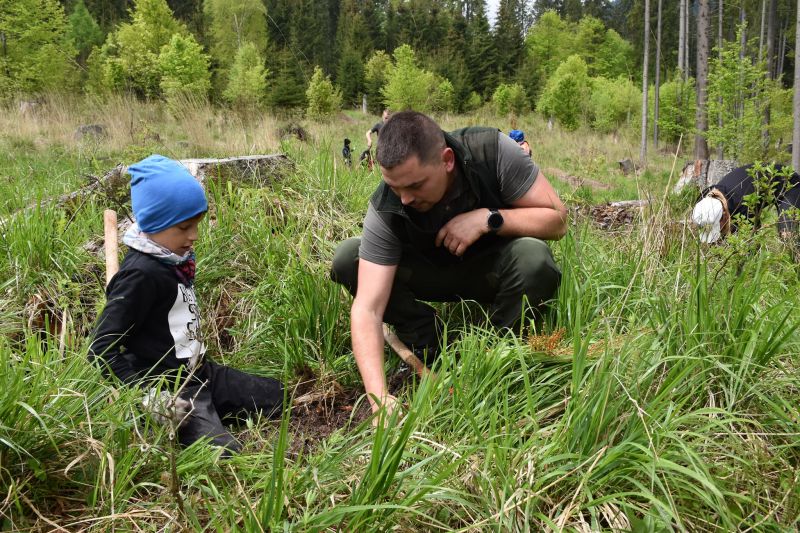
x: 83, y: 32
x: 36, y: 54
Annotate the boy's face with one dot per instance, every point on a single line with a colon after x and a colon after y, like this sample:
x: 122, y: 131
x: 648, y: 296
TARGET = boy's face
x: 179, y: 238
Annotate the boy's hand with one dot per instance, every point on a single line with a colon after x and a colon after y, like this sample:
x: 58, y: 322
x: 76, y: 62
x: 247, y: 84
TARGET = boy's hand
x: 166, y: 409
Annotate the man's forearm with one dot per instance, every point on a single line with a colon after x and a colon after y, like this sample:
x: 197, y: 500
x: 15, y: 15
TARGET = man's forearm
x: 540, y: 222
x: 367, y: 334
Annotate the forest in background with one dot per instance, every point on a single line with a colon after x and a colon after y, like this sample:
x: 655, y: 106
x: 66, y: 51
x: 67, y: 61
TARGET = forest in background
x: 574, y: 61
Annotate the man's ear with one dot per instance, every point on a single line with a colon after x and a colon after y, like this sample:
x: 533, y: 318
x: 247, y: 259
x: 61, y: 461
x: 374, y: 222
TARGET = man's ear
x: 449, y: 158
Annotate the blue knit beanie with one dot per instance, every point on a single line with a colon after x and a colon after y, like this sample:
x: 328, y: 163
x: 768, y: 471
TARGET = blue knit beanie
x: 517, y: 135
x: 163, y: 193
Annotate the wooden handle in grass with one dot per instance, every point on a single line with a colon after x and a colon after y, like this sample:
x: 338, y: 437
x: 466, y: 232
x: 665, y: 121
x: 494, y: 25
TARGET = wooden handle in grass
x: 112, y: 259
x: 405, y: 352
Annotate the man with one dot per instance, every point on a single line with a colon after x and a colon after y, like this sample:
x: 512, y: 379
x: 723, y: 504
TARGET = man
x: 458, y: 215
x: 726, y: 199
x: 376, y: 129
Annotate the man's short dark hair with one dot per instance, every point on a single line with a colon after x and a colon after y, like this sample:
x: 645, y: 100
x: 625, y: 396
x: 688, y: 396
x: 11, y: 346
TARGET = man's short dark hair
x: 409, y: 134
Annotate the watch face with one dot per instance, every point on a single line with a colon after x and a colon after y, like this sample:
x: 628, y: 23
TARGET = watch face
x: 495, y: 221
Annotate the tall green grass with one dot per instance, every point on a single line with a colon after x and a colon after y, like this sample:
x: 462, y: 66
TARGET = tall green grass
x: 666, y: 401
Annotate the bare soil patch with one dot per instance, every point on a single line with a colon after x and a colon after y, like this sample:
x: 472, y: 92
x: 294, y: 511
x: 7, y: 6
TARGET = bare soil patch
x: 576, y: 181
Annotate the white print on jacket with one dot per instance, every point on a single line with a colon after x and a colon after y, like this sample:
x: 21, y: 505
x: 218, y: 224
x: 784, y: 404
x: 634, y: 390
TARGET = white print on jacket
x: 184, y: 325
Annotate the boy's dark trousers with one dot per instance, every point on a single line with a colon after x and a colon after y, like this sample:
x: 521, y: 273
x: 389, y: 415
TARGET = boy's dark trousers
x: 219, y: 393
x: 499, y: 276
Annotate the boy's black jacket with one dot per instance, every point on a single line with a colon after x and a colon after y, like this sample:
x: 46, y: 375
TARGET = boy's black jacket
x: 150, y: 324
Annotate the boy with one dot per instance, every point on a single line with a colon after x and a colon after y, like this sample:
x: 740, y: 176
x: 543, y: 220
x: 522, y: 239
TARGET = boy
x: 347, y: 153
x: 519, y: 137
x: 148, y: 332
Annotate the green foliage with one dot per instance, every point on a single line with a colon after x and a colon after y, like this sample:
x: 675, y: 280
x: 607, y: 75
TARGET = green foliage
x: 350, y: 76
x: 551, y: 40
x: 548, y: 44
x: 129, y: 59
x: 566, y: 94
x: 376, y: 74
x: 247, y: 78
x: 323, y: 99
x: 407, y: 86
x: 444, y: 97
x: 677, y: 103
x: 84, y: 33
x: 613, y: 103
x: 474, y: 101
x: 232, y: 24
x: 615, y: 56
x: 509, y: 98
x: 184, y: 69
x: 780, y: 118
x: 767, y: 183
x: 36, y: 53
x: 288, y: 85
x: 738, y: 91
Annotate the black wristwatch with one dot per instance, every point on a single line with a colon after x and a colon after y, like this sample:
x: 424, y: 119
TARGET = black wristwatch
x: 494, y: 221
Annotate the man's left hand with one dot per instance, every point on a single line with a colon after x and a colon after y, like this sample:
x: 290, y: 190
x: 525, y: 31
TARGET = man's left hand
x: 462, y: 231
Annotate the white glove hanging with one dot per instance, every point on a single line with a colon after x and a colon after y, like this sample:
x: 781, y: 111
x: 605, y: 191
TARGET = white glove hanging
x: 707, y: 214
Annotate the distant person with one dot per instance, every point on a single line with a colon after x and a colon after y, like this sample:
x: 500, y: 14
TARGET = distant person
x: 347, y: 153
x: 148, y: 334
x: 458, y: 215
x: 719, y: 203
x: 365, y: 159
x: 519, y: 137
x: 376, y: 129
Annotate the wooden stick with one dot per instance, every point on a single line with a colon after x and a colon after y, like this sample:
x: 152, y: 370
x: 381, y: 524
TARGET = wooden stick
x: 111, y: 248
x: 405, y: 353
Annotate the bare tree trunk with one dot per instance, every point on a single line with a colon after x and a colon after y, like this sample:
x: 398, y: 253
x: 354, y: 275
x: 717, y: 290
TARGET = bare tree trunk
x: 771, y: 39
x: 796, y: 103
x: 720, y: 152
x: 682, y: 37
x: 761, y: 35
x: 658, y: 78
x: 770, y: 67
x: 742, y: 52
x: 701, y: 115
x: 643, y: 149
x: 743, y: 41
x: 781, y: 53
x: 687, y: 42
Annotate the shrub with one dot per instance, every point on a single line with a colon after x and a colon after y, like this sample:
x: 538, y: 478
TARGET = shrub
x: 184, y: 69
x: 677, y: 103
x: 566, y: 94
x: 613, y: 103
x: 247, y: 79
x: 323, y: 99
x: 509, y: 98
x: 444, y: 97
x: 738, y: 93
x: 474, y: 101
x: 376, y: 73
x: 129, y: 59
x: 407, y: 86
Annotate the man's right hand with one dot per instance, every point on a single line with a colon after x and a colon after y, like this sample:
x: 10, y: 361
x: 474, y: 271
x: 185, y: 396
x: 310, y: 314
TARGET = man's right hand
x: 366, y: 326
